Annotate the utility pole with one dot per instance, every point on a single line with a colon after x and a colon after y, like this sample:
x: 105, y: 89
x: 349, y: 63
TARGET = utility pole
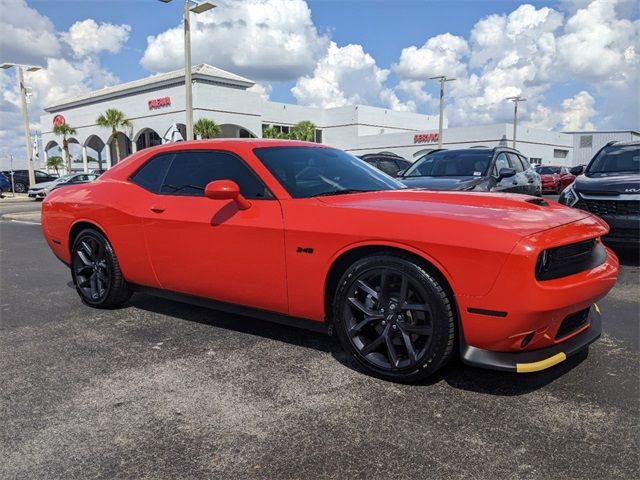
x: 515, y: 101
x: 195, y: 7
x: 441, y: 79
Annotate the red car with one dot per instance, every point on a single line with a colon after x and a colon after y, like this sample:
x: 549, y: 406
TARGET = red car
x: 294, y: 231
x: 554, y: 179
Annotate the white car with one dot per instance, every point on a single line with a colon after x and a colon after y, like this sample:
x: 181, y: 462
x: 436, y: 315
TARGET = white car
x: 40, y: 190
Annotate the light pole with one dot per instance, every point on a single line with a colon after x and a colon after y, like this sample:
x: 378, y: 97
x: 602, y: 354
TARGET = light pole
x: 515, y: 101
x: 25, y: 113
x: 195, y: 7
x: 441, y: 79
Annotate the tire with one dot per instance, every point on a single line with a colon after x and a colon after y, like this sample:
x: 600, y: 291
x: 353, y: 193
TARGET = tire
x: 402, y: 333
x: 96, y: 272
x: 20, y: 187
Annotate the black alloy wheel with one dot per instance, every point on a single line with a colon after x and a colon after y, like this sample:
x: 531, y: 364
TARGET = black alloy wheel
x: 20, y: 187
x: 96, y: 272
x: 395, y: 318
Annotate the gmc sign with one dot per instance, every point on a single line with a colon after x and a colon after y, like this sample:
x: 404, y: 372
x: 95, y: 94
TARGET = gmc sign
x: 425, y: 138
x: 159, y: 103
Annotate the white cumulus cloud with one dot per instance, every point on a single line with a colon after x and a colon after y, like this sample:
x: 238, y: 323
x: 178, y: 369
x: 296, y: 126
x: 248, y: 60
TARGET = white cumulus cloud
x: 346, y: 75
x: 261, y: 39
x: 87, y: 36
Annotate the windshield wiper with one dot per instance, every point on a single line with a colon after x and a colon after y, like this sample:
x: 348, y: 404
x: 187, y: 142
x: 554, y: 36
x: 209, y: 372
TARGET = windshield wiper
x: 340, y: 192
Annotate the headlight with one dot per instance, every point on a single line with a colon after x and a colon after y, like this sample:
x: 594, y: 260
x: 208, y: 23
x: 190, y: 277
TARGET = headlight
x: 569, y: 196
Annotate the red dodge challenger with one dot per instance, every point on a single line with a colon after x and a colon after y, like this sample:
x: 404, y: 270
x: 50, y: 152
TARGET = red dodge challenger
x: 294, y: 231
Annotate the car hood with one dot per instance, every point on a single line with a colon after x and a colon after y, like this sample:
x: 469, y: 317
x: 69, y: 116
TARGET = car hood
x: 546, y: 177
x: 441, y: 183
x: 520, y: 214
x: 608, y: 185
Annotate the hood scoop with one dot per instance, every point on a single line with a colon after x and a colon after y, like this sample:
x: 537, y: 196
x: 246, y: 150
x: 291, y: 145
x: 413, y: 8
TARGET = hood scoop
x: 537, y: 201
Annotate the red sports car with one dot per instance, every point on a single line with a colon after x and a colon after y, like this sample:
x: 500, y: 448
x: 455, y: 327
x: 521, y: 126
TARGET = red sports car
x: 293, y: 230
x: 554, y: 179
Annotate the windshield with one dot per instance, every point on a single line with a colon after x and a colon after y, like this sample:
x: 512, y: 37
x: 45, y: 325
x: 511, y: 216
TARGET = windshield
x: 547, y: 170
x: 452, y: 163
x: 313, y: 171
x: 615, y: 159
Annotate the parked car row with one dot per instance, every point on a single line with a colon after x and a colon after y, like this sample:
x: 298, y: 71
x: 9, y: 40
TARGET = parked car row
x: 21, y: 179
x: 609, y: 186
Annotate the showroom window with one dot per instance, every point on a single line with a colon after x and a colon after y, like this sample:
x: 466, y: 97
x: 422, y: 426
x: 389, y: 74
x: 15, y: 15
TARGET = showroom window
x: 535, y: 160
x: 190, y: 172
x: 557, y: 153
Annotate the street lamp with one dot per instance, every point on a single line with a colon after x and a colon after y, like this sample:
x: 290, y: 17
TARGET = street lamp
x: 442, y: 79
x: 515, y: 101
x: 25, y: 113
x: 195, y: 7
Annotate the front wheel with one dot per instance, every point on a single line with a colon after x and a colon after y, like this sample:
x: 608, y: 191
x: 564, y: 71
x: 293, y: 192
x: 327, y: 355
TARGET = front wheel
x: 96, y: 272
x: 394, y: 318
x: 20, y: 187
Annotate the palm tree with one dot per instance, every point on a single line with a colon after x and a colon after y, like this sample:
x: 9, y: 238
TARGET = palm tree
x: 305, y: 131
x: 64, y: 130
x: 114, y: 119
x: 272, y: 132
x: 54, y: 162
x: 206, y: 128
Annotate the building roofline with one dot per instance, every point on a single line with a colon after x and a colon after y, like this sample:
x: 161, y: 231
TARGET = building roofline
x: 199, y: 72
x: 636, y: 132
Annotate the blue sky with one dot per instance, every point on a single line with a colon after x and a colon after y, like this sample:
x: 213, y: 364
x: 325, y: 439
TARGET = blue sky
x: 576, y: 61
x: 382, y: 27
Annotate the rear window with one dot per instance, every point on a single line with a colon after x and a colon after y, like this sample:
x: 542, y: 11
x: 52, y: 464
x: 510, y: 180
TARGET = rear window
x: 452, y: 163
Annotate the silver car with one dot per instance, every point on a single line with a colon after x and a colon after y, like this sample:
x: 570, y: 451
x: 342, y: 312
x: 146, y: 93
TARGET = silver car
x: 40, y: 190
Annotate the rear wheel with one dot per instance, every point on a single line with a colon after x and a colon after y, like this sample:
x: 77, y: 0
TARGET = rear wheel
x: 95, y: 271
x: 20, y: 187
x: 394, y: 318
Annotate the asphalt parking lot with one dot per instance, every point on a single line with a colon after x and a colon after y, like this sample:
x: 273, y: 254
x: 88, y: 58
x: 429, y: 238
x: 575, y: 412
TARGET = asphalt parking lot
x: 159, y: 389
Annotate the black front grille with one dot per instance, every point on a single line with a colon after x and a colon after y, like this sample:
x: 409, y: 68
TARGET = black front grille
x: 573, y: 323
x: 610, y: 207
x: 569, y: 259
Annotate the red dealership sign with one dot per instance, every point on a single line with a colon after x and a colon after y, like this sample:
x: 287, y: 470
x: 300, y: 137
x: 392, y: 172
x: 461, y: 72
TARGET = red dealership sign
x: 159, y: 103
x: 59, y: 120
x: 425, y: 138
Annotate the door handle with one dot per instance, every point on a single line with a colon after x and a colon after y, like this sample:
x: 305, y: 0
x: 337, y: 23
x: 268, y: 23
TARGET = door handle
x: 157, y: 209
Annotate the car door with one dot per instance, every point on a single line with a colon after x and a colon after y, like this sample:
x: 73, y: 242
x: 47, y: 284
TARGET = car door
x: 519, y: 180
x: 207, y: 247
x: 505, y: 185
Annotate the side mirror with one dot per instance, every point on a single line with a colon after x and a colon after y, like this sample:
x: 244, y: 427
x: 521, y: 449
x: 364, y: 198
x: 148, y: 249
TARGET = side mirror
x: 506, y: 173
x: 400, y: 173
x: 226, y: 190
x: 576, y: 170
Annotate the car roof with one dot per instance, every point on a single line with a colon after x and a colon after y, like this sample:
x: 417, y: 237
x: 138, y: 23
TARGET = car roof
x: 624, y: 144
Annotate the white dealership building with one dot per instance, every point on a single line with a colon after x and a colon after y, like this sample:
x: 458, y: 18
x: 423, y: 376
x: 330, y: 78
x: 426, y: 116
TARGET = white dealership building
x: 155, y: 103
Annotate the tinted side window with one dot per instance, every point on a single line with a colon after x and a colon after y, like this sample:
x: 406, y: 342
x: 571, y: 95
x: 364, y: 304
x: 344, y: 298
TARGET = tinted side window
x: 501, y: 162
x: 525, y: 163
x: 152, y: 174
x: 190, y: 172
x: 515, y: 162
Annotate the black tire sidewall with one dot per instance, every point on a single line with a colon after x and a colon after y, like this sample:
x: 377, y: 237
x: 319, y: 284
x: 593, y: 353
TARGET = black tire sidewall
x: 18, y: 189
x: 116, y: 286
x: 440, y: 348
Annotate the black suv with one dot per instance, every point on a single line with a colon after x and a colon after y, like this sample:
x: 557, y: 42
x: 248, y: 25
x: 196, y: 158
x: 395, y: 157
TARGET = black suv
x: 388, y: 162
x: 499, y: 169
x: 21, y: 179
x: 610, y: 188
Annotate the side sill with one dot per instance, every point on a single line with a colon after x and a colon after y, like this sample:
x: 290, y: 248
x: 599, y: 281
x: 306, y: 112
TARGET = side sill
x: 274, y: 317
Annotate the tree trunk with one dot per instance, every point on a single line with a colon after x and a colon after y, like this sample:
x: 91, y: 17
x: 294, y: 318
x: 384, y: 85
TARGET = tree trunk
x: 67, y: 157
x: 115, y: 139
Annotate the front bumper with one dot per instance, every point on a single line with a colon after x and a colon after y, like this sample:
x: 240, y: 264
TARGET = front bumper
x: 535, y: 360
